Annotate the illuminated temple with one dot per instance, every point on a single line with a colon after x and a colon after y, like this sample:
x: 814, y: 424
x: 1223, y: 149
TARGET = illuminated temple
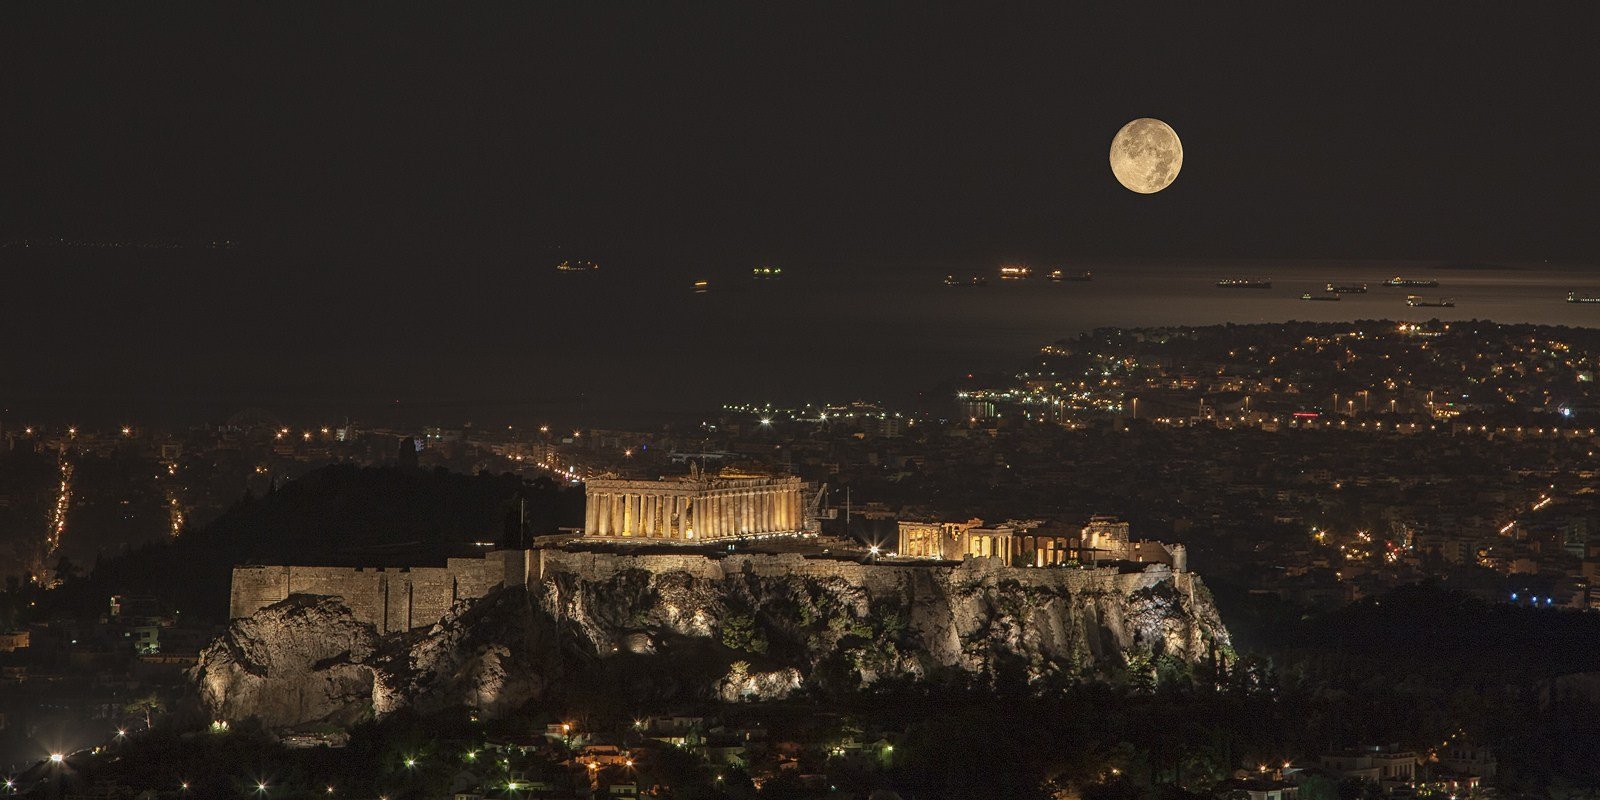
x: 696, y: 508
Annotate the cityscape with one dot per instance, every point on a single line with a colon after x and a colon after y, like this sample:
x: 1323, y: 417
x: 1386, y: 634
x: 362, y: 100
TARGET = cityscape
x: 731, y: 402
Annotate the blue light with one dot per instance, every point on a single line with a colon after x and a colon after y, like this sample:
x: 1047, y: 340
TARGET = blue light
x: 1513, y: 595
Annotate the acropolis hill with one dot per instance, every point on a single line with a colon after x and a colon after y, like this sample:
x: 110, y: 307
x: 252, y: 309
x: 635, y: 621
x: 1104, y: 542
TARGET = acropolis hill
x: 774, y: 613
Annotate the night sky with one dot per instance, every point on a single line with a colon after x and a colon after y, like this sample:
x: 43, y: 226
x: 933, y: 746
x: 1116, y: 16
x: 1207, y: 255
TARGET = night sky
x: 406, y: 161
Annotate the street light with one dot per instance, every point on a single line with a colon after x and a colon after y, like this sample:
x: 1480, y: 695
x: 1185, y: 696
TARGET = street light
x: 57, y: 758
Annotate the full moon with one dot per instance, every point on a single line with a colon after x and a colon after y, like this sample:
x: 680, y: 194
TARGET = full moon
x: 1146, y: 155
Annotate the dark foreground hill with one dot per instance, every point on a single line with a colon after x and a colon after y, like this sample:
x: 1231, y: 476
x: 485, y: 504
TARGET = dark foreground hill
x: 338, y: 516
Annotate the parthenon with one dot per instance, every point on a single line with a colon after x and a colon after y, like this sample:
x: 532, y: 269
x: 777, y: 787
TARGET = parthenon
x: 695, y: 508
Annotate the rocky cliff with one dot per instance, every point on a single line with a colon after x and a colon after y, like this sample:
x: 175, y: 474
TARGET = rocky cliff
x: 645, y: 629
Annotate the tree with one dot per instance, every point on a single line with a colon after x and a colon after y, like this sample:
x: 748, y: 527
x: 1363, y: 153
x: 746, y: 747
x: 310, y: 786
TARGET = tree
x: 148, y: 705
x: 740, y: 632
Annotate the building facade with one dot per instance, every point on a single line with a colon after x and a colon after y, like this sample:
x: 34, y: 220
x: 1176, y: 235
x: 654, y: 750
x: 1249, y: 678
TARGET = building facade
x: 1029, y: 543
x: 696, y: 508
x: 1106, y: 538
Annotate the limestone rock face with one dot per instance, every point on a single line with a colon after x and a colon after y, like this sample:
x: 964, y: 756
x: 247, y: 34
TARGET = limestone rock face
x: 299, y: 662
x: 649, y: 629
x: 849, y: 626
x: 488, y: 655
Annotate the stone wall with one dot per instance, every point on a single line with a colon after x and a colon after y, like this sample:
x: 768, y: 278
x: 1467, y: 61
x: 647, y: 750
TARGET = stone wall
x: 400, y: 599
x: 599, y: 567
x: 390, y: 599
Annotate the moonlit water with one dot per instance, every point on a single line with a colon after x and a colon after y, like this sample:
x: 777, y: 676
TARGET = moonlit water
x: 637, y: 346
x: 887, y: 335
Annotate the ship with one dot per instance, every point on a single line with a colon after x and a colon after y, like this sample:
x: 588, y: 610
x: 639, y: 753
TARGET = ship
x: 1243, y: 283
x: 1417, y: 282
x: 1015, y: 273
x: 975, y: 280
x: 1417, y: 302
x: 765, y: 273
x: 1348, y: 288
x: 701, y: 287
x: 1574, y: 297
x: 1059, y: 275
x: 577, y: 265
x: 1310, y: 296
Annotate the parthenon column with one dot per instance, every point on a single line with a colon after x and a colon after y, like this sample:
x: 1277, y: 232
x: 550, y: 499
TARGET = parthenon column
x: 589, y: 520
x: 767, y: 522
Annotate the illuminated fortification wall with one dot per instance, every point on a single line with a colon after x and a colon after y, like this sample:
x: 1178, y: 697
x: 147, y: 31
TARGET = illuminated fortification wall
x: 399, y: 599
x: 391, y: 599
x: 601, y: 566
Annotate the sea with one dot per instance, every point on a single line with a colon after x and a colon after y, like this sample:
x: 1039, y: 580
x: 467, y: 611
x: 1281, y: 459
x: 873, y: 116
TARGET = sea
x: 637, y: 346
